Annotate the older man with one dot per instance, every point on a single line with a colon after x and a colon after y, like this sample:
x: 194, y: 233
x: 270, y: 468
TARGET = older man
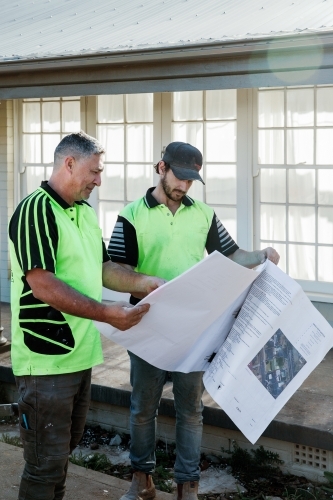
x: 165, y: 233
x: 59, y: 264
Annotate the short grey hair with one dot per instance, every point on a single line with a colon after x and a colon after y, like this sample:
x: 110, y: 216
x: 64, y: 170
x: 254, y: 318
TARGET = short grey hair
x: 78, y: 145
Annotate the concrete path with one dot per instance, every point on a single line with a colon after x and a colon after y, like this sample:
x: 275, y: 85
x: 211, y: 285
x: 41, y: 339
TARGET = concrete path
x: 82, y: 484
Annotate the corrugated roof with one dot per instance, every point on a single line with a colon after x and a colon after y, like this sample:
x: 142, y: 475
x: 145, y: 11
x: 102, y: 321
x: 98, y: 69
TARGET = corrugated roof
x: 47, y: 28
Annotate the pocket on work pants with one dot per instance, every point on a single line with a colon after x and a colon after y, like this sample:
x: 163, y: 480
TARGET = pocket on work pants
x: 28, y: 433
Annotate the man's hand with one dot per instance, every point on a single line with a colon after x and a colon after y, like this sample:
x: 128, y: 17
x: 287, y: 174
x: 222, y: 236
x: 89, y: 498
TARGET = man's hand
x: 149, y: 284
x: 270, y: 254
x: 123, y: 315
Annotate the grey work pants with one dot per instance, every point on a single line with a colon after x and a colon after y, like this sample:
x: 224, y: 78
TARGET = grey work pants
x: 53, y: 410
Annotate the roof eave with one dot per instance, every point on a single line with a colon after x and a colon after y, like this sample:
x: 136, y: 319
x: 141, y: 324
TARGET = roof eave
x: 256, y: 44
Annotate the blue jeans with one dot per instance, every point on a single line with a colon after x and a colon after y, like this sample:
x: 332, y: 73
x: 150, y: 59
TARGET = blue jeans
x: 147, y: 382
x: 53, y: 411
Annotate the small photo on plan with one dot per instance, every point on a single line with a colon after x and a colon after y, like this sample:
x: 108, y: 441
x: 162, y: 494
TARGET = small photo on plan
x: 277, y: 364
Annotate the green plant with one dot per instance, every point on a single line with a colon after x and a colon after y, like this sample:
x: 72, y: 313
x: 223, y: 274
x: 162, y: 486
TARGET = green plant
x: 163, y: 479
x: 329, y: 477
x: 98, y: 462
x: 266, y: 457
x: 241, y: 459
x: 95, y: 461
x: 13, y: 440
x: 78, y: 459
x: 291, y: 496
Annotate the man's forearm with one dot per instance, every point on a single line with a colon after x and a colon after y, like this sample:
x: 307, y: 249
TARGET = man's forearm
x: 48, y: 288
x: 254, y: 258
x: 247, y: 259
x: 123, y: 279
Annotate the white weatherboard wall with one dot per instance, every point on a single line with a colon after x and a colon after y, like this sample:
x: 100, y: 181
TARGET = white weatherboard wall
x: 6, y: 190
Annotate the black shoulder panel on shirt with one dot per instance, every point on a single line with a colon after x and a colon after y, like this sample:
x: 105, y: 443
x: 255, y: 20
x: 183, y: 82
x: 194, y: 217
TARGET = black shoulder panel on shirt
x: 123, y: 245
x: 219, y: 239
x: 34, y: 233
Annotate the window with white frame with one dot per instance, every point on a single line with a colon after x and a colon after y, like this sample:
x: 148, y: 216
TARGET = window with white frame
x: 44, y: 123
x: 125, y: 128
x: 295, y: 157
x: 208, y: 120
x: 293, y: 144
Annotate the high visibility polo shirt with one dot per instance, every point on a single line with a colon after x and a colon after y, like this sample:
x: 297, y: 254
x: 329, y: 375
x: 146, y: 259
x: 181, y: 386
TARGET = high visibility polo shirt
x: 150, y: 238
x: 47, y: 233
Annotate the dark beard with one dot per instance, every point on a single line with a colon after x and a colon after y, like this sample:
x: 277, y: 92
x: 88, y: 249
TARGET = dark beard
x: 168, y: 191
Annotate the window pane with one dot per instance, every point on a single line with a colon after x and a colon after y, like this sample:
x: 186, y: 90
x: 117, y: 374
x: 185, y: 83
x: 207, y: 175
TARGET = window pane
x: 188, y: 106
x: 188, y: 132
x: 139, y: 143
x: 271, y: 108
x: 139, y: 107
x: 139, y: 179
x: 300, y: 108
x: 273, y: 185
x: 325, y: 106
x: 112, y: 138
x: 221, y: 104
x: 325, y: 263
x: 302, y: 262
x: 302, y: 185
x: 50, y: 142
x: 31, y: 149
x: 221, y: 184
x: 31, y: 117
x: 51, y: 116
x: 108, y: 213
x: 299, y: 146
x: 302, y: 224
x: 271, y: 147
x: 273, y: 222
x: 71, y: 116
x: 228, y: 217
x: 34, y: 176
x: 48, y: 173
x: 281, y: 249
x: 325, y: 225
x: 110, y: 108
x: 221, y: 141
x: 325, y: 187
x: 325, y: 146
x: 112, y: 186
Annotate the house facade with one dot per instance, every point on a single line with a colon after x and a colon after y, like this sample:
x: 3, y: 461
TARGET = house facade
x: 259, y: 107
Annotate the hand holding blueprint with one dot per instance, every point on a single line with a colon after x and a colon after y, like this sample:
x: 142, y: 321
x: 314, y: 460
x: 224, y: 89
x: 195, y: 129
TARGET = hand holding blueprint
x: 179, y: 333
x: 254, y: 333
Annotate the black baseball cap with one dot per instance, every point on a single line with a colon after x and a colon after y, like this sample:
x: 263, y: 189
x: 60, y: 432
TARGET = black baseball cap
x: 185, y: 161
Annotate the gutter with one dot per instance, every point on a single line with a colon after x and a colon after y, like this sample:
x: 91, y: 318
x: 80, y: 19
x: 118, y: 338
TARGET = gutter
x: 230, y: 48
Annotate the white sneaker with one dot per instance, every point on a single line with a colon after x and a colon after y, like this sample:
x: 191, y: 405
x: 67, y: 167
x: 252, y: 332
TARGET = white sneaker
x: 187, y: 491
x: 142, y: 487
